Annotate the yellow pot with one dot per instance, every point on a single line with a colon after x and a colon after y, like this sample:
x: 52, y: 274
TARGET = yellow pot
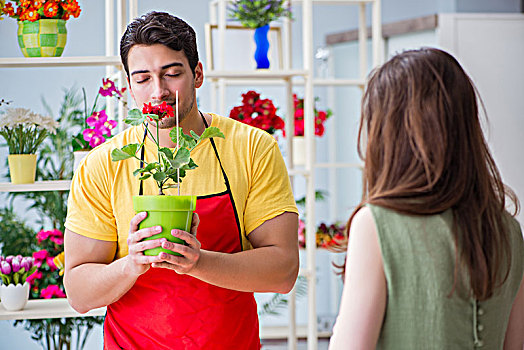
x: 22, y: 168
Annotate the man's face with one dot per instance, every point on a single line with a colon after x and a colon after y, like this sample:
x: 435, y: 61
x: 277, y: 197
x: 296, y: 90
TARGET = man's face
x: 156, y: 72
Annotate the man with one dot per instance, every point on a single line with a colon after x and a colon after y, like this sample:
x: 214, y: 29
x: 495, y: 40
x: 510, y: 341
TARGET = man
x: 244, y: 233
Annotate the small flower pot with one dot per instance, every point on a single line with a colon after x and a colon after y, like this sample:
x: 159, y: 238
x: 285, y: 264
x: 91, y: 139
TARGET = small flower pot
x: 77, y: 158
x: 14, y: 297
x: 299, y: 150
x: 42, y: 38
x: 22, y: 168
x: 170, y: 212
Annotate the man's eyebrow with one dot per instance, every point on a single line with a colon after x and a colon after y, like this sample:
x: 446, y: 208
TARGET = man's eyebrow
x: 174, y: 64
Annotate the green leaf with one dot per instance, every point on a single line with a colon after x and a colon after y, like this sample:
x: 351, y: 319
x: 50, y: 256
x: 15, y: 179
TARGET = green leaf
x: 185, y: 140
x: 118, y: 154
x: 16, y: 278
x: 191, y: 165
x: 181, y: 158
x: 135, y: 117
x: 152, y: 116
x: 167, y: 152
x: 212, y: 131
x: 159, y: 176
x: 144, y: 177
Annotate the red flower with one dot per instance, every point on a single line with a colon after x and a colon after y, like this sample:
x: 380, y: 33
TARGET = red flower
x: 162, y: 110
x: 34, y: 276
x: 9, y: 10
x: 320, y: 118
x: 50, y: 9
x: 257, y: 112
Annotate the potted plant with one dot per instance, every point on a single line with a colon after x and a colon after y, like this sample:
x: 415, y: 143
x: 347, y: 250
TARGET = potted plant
x: 14, y: 271
x: 24, y: 131
x: 257, y: 112
x: 41, y: 25
x: 258, y: 14
x: 299, y: 157
x: 168, y: 170
x: 97, y: 127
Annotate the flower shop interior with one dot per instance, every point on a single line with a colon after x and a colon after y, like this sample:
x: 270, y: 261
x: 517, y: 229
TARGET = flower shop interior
x: 319, y: 58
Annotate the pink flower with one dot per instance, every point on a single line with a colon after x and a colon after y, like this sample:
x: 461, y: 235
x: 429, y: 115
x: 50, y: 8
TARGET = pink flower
x: 97, y: 118
x: 108, y: 88
x: 57, y: 240
x: 51, y: 263
x: 93, y: 136
x: 52, y: 291
x: 106, y: 127
x: 42, y: 236
x: 34, y: 276
x: 40, y: 256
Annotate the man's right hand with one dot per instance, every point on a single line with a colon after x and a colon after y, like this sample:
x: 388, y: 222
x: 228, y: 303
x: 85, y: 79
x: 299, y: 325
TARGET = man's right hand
x: 137, y: 263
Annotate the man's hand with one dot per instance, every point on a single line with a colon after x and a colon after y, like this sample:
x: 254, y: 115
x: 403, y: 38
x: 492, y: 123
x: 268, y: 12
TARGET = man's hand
x: 190, y: 252
x: 137, y: 263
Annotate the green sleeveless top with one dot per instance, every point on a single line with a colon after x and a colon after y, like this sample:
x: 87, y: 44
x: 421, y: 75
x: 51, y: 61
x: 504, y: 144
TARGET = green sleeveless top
x: 418, y: 256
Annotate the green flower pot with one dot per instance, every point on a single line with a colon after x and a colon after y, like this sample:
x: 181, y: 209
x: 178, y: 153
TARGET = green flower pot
x: 170, y: 212
x: 42, y: 38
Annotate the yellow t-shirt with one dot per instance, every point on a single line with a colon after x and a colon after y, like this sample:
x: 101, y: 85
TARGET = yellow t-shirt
x: 100, y: 201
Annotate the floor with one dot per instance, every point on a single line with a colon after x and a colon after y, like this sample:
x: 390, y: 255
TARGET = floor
x: 282, y: 344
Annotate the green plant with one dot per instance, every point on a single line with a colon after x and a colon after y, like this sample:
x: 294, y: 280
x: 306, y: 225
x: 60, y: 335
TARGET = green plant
x: 258, y: 13
x: 279, y: 301
x: 24, y: 130
x: 55, y: 162
x: 170, y: 167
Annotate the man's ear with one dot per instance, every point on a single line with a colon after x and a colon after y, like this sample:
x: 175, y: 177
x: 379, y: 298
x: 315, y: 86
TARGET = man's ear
x: 130, y: 90
x: 199, y: 75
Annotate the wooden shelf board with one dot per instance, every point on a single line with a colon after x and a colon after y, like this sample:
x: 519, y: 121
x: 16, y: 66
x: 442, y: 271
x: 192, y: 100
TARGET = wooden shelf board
x: 46, y: 308
x: 24, y: 62
x: 56, y: 185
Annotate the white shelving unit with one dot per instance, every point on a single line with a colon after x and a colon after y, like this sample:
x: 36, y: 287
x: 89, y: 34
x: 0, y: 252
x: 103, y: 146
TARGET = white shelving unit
x: 289, y: 77
x: 57, y: 308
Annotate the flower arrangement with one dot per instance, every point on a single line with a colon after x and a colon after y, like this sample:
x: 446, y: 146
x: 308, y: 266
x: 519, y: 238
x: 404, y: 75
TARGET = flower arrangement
x: 24, y: 130
x: 258, y: 13
x: 33, y: 10
x: 326, y: 236
x: 320, y: 117
x: 16, y: 269
x: 257, y: 112
x: 46, y: 282
x: 97, y: 126
x: 170, y: 167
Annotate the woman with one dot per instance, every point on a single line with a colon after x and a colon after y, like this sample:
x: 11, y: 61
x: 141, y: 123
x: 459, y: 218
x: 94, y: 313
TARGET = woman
x: 435, y: 261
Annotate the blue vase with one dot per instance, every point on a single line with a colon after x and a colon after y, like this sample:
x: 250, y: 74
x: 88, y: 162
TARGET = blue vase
x: 262, y: 44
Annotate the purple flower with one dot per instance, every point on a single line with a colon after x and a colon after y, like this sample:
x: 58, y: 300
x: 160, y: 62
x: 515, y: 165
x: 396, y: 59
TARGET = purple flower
x: 5, y: 267
x: 9, y: 258
x: 15, y: 264
x: 27, y: 263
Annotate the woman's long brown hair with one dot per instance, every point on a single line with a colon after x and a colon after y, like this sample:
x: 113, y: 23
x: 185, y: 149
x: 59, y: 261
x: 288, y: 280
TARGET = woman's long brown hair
x: 426, y: 153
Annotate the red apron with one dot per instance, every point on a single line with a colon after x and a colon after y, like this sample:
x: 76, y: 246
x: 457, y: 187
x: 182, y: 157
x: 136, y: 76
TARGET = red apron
x: 165, y: 310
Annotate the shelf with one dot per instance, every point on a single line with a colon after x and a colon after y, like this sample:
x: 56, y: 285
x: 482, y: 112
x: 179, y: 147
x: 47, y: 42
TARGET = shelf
x: 25, y: 62
x: 256, y: 74
x: 57, y: 185
x: 47, y: 308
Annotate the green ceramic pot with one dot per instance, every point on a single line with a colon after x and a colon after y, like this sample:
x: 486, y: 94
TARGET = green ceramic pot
x: 42, y: 38
x: 170, y: 212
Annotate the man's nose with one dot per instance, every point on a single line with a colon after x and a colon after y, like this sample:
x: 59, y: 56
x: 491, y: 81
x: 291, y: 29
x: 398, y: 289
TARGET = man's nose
x: 160, y: 90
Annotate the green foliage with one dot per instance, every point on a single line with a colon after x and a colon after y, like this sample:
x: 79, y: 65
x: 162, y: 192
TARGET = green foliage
x: 16, y: 237
x: 319, y: 196
x: 170, y: 167
x: 280, y: 301
x: 258, y: 13
x: 55, y: 162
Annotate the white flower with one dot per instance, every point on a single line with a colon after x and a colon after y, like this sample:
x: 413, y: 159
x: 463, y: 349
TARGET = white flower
x: 23, y: 116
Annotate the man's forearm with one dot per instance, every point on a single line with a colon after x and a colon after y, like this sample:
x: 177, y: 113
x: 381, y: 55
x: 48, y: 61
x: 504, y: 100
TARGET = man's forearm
x: 264, y: 269
x: 93, y: 285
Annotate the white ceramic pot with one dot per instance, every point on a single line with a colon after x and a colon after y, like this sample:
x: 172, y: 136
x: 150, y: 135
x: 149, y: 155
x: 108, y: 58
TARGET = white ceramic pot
x: 299, y: 150
x: 14, y: 297
x: 78, y: 156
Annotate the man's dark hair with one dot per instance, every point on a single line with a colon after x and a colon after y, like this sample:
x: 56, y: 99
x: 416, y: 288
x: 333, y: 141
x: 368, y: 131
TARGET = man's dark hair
x: 160, y: 28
